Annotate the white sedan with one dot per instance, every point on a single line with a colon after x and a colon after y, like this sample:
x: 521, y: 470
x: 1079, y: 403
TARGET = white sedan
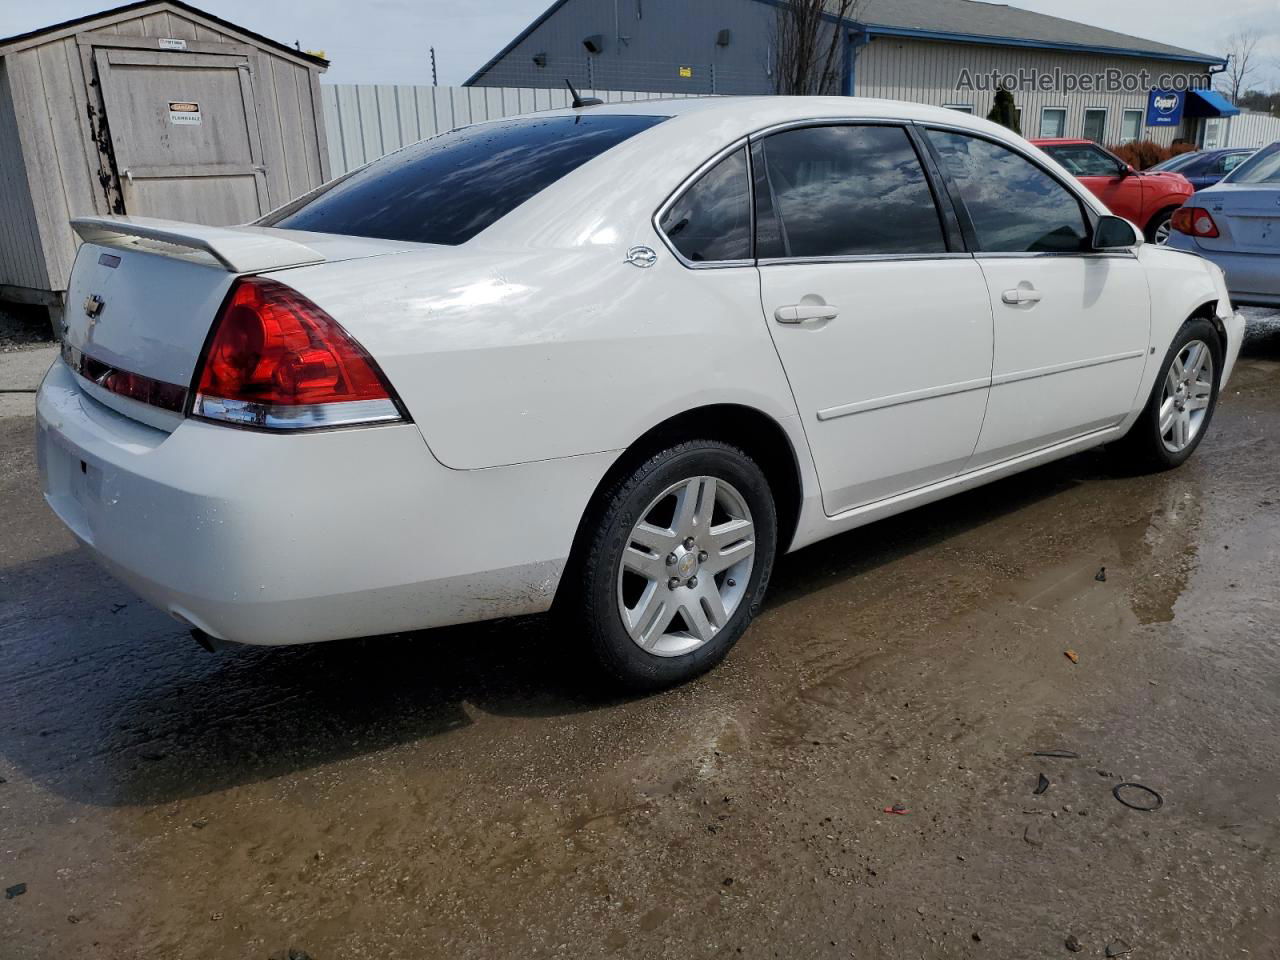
x: 615, y: 358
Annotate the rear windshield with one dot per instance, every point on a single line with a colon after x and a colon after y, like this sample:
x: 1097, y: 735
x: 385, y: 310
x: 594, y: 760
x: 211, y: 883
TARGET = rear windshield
x: 1262, y: 167
x: 449, y: 188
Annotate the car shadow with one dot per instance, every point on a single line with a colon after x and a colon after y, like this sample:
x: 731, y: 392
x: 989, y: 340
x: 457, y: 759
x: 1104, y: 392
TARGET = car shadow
x: 111, y: 703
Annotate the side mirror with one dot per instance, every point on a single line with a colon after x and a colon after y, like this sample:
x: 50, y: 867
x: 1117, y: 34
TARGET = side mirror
x: 1126, y: 170
x: 1115, y: 233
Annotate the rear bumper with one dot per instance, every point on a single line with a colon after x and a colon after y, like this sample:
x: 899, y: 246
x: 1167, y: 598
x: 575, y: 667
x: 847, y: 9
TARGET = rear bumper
x: 1252, y: 278
x: 266, y: 539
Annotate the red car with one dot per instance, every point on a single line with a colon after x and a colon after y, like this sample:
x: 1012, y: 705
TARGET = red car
x: 1147, y: 199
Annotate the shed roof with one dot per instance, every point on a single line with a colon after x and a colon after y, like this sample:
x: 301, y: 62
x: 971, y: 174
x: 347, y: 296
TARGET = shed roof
x: 34, y: 37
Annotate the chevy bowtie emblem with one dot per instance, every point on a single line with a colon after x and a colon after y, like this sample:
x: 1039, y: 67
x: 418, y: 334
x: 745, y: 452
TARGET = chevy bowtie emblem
x: 93, y: 306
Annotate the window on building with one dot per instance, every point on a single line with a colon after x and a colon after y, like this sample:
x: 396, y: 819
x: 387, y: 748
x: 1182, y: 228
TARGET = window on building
x: 1095, y: 125
x: 846, y: 191
x: 960, y: 107
x: 449, y: 188
x: 1131, y: 126
x: 1082, y: 160
x: 712, y: 219
x: 1015, y: 206
x: 1053, y: 122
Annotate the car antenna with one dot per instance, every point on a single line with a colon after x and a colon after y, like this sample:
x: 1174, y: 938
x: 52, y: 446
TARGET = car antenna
x: 580, y: 101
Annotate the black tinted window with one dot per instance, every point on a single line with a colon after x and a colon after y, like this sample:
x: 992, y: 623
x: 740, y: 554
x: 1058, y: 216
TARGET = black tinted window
x: 712, y: 219
x: 846, y: 191
x: 1015, y: 206
x: 449, y: 188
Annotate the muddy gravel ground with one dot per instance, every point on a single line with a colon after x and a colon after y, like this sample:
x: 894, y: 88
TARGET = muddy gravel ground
x: 461, y: 793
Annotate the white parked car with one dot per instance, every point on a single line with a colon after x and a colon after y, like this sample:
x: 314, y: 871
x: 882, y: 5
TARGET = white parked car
x: 617, y: 357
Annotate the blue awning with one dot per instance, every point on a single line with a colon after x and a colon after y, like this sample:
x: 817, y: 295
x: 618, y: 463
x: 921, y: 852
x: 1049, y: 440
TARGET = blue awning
x: 1209, y: 103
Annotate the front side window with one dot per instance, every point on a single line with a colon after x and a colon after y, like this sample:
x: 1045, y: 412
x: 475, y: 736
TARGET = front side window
x: 1082, y: 160
x: 449, y: 188
x: 1262, y: 167
x: 1015, y: 206
x: 711, y: 221
x: 841, y: 191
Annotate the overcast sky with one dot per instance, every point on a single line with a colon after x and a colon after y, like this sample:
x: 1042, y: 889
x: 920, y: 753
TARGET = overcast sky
x: 386, y: 41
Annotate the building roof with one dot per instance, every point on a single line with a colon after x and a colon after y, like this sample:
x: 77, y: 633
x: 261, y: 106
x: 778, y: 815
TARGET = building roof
x: 964, y: 21
x: 973, y: 21
x: 34, y: 36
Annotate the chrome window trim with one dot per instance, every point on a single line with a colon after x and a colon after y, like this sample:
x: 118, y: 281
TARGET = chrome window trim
x: 656, y: 220
x: 1117, y: 254
x: 867, y: 258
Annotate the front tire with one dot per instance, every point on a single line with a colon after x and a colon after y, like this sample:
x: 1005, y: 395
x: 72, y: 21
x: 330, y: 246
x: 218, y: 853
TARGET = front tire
x: 1160, y: 227
x: 1182, y: 402
x: 676, y: 564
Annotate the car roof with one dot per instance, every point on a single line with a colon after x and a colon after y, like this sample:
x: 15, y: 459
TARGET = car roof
x: 755, y: 113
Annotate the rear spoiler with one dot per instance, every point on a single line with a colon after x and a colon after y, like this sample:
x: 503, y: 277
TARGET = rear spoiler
x: 237, y: 249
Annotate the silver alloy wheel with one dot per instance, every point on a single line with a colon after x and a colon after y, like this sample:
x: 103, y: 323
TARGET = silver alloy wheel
x: 1184, y: 403
x: 686, y: 565
x: 1164, y: 231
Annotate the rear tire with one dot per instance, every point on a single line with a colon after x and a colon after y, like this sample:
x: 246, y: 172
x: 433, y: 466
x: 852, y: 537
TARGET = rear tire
x: 675, y: 564
x: 1182, y: 401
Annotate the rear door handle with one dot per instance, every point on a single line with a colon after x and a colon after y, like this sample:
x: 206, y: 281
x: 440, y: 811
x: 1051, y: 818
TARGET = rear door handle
x: 800, y: 312
x: 1021, y: 295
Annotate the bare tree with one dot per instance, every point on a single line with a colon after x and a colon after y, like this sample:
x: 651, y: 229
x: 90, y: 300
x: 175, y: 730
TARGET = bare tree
x: 809, y: 45
x: 1241, y: 61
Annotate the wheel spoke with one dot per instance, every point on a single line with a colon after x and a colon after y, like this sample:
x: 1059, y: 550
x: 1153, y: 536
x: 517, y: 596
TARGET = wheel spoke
x: 651, y: 616
x: 695, y: 618
x: 648, y: 565
x: 1182, y: 429
x: 728, y: 543
x: 694, y: 504
x: 1195, y: 360
x: 1176, y: 373
x: 654, y: 539
x: 1168, y: 413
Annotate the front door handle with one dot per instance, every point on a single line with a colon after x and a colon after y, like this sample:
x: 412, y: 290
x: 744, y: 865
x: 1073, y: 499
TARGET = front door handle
x: 1024, y: 294
x: 800, y: 312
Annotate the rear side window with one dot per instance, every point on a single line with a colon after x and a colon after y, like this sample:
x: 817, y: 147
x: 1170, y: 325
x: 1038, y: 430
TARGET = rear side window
x: 1262, y: 167
x: 447, y: 189
x: 1015, y: 206
x: 712, y: 219
x: 842, y: 191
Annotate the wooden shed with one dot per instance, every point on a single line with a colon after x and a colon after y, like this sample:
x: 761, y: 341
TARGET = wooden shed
x: 152, y: 109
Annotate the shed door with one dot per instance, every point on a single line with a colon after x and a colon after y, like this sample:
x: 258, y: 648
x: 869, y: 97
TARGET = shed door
x: 185, y: 134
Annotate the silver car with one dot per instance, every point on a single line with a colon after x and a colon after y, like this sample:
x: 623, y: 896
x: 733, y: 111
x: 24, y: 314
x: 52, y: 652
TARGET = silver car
x: 1236, y: 224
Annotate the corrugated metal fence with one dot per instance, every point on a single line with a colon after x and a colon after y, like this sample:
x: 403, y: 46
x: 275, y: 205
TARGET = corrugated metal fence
x: 363, y: 121
x: 1253, y: 130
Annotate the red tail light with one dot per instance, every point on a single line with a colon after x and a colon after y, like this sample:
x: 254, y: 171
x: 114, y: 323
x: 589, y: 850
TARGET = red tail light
x: 276, y: 360
x: 1194, y: 221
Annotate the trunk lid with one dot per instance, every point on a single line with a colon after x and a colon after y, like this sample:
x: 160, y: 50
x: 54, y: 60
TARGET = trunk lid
x: 144, y: 293
x: 1247, y: 215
